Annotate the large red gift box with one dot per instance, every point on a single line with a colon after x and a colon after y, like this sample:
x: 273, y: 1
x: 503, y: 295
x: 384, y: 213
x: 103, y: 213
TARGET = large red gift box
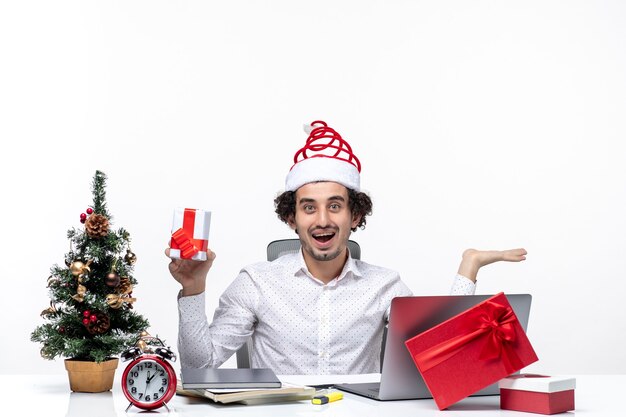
x: 471, y: 350
x: 537, y: 393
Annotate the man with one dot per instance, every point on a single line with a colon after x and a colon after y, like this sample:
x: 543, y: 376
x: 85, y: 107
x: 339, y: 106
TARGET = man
x: 318, y: 311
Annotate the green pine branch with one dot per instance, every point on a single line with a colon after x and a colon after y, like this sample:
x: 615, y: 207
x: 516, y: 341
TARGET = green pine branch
x: 98, y: 186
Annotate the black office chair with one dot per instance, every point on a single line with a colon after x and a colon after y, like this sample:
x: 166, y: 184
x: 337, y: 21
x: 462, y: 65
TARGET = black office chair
x: 276, y: 249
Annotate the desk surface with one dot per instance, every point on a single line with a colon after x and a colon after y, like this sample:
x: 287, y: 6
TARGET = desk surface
x: 50, y: 396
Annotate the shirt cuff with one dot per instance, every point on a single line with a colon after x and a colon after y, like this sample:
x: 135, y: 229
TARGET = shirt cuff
x: 462, y: 286
x: 191, y: 308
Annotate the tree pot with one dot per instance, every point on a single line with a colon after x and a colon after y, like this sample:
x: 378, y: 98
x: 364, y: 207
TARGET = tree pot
x: 89, y: 376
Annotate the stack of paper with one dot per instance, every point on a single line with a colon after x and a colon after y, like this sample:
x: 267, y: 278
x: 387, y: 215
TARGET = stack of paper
x: 249, y: 396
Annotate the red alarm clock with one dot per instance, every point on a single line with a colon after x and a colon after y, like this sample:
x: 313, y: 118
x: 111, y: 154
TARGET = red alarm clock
x: 149, y: 381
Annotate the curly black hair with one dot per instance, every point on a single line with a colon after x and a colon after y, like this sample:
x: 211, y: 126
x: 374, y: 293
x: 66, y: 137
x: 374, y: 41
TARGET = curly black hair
x: 360, y: 205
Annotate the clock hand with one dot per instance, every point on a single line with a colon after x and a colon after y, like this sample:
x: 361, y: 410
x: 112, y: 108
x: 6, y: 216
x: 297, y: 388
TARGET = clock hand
x: 147, y: 382
x: 150, y: 377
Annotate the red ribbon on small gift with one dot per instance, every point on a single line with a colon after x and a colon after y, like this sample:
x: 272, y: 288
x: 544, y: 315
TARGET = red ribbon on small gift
x: 183, y: 238
x: 492, y: 321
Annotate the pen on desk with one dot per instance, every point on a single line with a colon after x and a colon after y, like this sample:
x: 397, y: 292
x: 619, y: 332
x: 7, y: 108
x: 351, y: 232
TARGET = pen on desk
x: 327, y: 398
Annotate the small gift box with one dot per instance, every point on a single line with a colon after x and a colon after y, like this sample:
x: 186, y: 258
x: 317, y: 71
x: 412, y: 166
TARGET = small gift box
x: 471, y: 350
x: 537, y: 393
x: 190, y: 234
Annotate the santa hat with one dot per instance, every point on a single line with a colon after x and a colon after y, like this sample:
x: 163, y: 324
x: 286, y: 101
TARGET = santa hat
x: 326, y: 156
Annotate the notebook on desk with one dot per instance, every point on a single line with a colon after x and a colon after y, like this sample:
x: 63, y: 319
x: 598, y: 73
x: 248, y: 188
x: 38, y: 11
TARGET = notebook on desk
x: 400, y: 379
x: 231, y: 378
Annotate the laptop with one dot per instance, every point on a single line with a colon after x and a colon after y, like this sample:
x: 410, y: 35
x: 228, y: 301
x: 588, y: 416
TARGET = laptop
x: 400, y: 378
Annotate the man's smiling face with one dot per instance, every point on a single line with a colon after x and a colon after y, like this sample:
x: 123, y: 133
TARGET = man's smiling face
x: 323, y: 220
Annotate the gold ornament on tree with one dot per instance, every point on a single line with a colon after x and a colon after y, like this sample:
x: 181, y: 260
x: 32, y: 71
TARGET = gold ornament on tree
x: 122, y: 295
x: 80, y: 292
x: 142, y: 344
x: 130, y: 257
x: 117, y: 300
x: 79, y: 268
x: 97, y: 226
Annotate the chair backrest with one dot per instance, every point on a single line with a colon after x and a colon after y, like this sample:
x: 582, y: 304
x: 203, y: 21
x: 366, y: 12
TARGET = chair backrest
x: 282, y: 247
x: 276, y: 249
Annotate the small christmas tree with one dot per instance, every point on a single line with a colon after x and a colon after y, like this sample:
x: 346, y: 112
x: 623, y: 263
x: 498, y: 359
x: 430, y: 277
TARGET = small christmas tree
x: 91, y: 315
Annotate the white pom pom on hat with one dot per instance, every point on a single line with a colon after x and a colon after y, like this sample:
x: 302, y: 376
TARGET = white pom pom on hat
x: 326, y: 156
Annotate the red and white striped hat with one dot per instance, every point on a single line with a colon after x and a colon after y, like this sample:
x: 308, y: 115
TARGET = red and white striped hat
x: 326, y: 156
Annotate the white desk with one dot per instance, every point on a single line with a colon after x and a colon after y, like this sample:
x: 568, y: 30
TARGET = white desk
x: 50, y: 396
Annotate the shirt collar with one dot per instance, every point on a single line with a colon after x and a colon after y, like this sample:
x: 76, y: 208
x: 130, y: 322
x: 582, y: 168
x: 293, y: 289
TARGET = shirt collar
x: 349, y: 268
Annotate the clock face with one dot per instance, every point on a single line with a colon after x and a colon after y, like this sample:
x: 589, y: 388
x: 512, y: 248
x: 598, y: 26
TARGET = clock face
x: 149, y: 382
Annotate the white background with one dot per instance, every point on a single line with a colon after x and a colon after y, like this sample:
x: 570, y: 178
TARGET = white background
x: 487, y: 124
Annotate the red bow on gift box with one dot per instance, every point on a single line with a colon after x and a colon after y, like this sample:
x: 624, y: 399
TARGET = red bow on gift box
x: 184, y: 242
x: 494, y: 322
x: 183, y: 238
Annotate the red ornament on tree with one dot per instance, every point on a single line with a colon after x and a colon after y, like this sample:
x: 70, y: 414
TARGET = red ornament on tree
x: 86, y: 313
x: 83, y: 216
x: 89, y: 210
x: 86, y: 322
x: 93, y: 318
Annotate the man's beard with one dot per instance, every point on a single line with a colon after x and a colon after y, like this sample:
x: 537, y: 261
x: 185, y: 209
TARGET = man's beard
x: 324, y: 256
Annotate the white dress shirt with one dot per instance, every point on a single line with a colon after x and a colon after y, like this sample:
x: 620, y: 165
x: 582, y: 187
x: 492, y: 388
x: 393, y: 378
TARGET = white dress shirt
x: 298, y: 324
